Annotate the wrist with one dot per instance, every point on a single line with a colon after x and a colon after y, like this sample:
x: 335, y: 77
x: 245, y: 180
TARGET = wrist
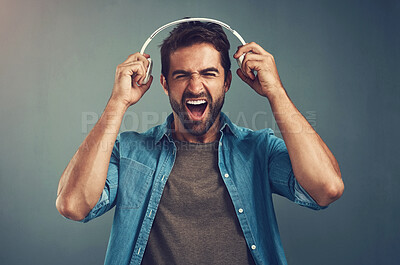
x: 276, y: 94
x: 117, y: 105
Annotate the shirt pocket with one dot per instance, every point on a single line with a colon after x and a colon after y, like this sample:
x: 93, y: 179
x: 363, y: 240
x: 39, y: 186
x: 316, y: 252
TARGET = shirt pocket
x: 134, y: 183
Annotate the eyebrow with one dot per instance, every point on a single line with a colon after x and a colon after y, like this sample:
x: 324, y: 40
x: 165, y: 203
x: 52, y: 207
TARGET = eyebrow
x: 209, y: 69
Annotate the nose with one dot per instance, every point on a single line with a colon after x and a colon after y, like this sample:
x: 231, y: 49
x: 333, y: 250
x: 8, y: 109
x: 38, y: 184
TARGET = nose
x: 195, y: 83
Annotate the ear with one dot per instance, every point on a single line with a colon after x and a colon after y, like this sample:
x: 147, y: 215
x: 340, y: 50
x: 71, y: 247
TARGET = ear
x: 228, y: 81
x: 164, y: 84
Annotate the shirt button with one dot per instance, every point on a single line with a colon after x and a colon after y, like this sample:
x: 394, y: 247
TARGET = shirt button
x: 240, y: 210
x: 253, y: 247
x: 226, y: 175
x: 220, y: 143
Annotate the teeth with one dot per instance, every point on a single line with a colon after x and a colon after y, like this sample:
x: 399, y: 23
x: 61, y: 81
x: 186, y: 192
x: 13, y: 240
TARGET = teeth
x: 196, y: 102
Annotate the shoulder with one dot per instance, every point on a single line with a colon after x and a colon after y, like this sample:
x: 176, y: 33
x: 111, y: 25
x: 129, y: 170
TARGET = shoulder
x: 132, y: 141
x: 149, y: 135
x: 249, y: 135
x: 243, y: 133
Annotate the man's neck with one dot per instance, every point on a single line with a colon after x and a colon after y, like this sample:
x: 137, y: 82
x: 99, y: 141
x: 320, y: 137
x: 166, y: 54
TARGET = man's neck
x: 183, y: 135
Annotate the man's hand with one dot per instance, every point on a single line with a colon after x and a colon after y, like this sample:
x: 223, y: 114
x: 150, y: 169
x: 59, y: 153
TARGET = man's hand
x: 128, y: 87
x: 83, y: 180
x: 314, y: 166
x: 267, y: 80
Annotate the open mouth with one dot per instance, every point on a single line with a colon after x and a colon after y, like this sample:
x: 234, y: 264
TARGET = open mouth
x: 196, y: 108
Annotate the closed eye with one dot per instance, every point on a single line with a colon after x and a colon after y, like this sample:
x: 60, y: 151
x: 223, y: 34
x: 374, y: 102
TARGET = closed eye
x: 180, y: 76
x: 210, y: 74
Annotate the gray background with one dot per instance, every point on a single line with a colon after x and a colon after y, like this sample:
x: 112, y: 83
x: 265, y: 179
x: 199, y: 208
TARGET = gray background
x: 339, y: 61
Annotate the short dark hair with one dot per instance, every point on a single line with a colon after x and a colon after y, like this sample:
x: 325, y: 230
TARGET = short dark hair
x: 193, y: 32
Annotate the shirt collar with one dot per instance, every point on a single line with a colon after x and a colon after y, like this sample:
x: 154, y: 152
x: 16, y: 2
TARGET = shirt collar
x: 165, y: 129
x: 227, y: 126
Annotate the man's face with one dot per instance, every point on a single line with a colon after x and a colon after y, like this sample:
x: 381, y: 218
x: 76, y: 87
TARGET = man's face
x: 196, y: 86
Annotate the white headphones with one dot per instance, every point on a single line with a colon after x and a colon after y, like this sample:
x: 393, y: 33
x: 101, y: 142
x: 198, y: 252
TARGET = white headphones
x: 148, y: 73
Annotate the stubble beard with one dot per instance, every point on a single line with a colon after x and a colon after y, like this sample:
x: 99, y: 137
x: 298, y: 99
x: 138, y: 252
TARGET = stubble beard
x: 197, y: 128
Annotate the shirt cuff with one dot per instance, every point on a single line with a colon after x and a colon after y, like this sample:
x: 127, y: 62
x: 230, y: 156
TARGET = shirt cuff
x: 302, y: 197
x: 104, y: 200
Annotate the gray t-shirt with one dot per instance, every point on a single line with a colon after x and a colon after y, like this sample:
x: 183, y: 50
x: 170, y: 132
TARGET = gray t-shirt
x: 196, y: 222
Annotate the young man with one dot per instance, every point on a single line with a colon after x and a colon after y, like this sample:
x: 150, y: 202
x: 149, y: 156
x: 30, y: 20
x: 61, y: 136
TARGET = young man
x: 197, y: 189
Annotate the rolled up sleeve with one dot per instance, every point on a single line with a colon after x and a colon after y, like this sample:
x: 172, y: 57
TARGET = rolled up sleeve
x: 281, y: 176
x: 109, y: 194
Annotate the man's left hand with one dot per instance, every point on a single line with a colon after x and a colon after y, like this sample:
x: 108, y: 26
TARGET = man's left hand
x: 266, y: 82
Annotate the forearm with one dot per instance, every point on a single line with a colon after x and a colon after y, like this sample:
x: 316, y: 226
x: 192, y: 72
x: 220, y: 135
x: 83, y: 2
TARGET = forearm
x: 314, y: 166
x: 83, y: 180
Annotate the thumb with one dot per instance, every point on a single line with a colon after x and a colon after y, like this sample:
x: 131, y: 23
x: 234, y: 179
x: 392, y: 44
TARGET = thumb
x: 243, y: 77
x: 144, y: 87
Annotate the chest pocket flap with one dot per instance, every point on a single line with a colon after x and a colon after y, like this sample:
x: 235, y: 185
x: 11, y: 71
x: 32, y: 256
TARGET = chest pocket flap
x: 134, y: 183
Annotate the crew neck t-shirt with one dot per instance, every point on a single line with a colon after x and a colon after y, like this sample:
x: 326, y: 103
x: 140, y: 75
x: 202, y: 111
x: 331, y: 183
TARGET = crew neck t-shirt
x: 196, y: 222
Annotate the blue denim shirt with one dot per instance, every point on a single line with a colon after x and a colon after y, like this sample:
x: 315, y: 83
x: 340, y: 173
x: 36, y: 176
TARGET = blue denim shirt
x: 253, y: 165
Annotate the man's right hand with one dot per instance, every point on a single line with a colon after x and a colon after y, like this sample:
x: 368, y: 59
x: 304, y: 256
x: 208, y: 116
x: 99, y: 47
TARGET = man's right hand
x: 84, y: 178
x: 128, y: 87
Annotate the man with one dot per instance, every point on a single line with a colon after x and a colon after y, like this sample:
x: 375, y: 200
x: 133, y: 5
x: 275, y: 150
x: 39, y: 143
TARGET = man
x: 197, y: 189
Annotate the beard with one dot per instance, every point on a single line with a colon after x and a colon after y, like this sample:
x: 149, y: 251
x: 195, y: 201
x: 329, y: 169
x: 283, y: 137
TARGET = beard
x: 197, y: 128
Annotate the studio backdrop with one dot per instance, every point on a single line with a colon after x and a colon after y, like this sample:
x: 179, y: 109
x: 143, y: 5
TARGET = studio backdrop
x: 338, y: 60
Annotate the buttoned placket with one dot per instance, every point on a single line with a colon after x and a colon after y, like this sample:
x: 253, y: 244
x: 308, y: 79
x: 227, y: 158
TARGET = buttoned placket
x: 236, y: 200
x: 156, y: 197
x: 154, y: 202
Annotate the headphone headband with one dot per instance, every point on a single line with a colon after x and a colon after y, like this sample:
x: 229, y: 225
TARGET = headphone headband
x: 188, y: 20
x: 149, y: 68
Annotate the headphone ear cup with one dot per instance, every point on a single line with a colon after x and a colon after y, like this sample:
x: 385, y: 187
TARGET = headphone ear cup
x: 148, y: 72
x: 240, y: 60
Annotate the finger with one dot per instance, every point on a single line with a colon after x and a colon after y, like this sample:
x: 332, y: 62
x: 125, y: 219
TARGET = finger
x: 135, y: 71
x: 247, y: 68
x: 146, y: 86
x: 243, y: 77
x: 143, y: 61
x: 138, y: 71
x: 142, y: 87
x: 137, y: 57
x: 253, y: 57
x: 131, y: 58
x: 129, y: 69
x: 249, y: 47
x: 251, y: 64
